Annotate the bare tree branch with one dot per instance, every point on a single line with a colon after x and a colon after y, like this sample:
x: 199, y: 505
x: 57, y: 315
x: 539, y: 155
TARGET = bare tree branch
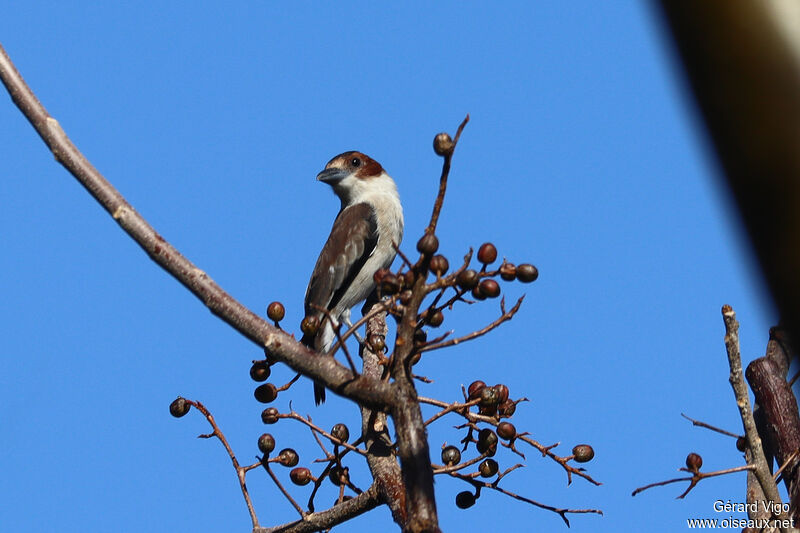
x: 736, y: 379
x: 375, y: 429
x: 448, y: 157
x: 366, y: 501
x: 240, y: 471
x: 504, y: 317
x: 695, y: 478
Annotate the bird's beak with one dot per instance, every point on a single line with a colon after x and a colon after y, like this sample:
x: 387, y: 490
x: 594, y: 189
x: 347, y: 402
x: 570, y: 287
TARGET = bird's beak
x: 332, y: 175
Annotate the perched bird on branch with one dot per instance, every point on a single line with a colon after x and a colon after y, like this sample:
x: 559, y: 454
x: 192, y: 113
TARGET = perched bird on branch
x: 363, y: 239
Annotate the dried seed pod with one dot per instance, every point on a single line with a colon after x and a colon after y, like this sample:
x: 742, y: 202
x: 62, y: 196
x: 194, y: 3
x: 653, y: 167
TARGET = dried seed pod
x: 300, y: 476
x: 339, y: 476
x: 439, y: 265
x: 260, y: 371
x: 436, y: 319
x: 487, y: 253
x: 276, y: 311
x: 465, y: 500
x: 507, y: 408
x: 266, y: 443
x: 288, y: 457
x: 487, y: 441
x: 502, y: 392
x: 488, y: 468
x: 583, y: 453
x: 694, y: 462
x: 527, y: 273
x: 310, y: 325
x: 443, y: 144
x: 179, y: 407
x: 270, y: 415
x: 428, y: 244
x: 467, y: 279
x: 451, y: 455
x: 475, y: 388
x: 266, y: 393
x: 477, y: 293
x: 405, y: 297
x: 489, y: 288
x: 489, y: 397
x: 390, y: 284
x: 508, y: 271
x: 341, y: 432
x: 506, y: 430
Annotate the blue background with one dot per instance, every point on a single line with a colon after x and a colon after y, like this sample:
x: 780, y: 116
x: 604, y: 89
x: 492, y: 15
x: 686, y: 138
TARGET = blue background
x: 583, y: 156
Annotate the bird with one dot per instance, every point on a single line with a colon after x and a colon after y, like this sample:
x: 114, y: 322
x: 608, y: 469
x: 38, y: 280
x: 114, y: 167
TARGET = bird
x: 363, y: 239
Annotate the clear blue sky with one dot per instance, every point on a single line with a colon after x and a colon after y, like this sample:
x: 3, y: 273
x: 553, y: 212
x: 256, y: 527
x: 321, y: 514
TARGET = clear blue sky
x: 583, y: 156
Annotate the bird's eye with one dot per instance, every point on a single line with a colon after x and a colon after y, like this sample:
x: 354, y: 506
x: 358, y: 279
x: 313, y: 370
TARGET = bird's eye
x: 356, y: 162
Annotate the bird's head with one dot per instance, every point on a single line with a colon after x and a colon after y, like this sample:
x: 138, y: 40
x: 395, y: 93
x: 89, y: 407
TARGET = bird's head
x: 353, y: 175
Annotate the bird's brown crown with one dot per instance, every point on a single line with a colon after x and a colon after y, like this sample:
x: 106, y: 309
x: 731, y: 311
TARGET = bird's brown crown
x: 361, y: 165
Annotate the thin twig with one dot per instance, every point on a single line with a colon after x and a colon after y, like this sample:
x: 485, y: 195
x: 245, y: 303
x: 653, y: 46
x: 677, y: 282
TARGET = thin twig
x: 288, y: 496
x: 289, y: 383
x: 694, y: 479
x: 558, y: 510
x: 296, y: 416
x: 376, y: 309
x: 336, y: 326
x: 240, y: 471
x: 437, y: 206
x: 709, y: 426
x: 318, y: 484
x: 786, y: 463
x: 403, y: 256
x: 474, y: 418
x: 450, y: 408
x: 506, y: 316
x: 444, y: 469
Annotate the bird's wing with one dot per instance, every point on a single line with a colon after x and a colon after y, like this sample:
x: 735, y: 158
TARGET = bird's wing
x: 351, y: 242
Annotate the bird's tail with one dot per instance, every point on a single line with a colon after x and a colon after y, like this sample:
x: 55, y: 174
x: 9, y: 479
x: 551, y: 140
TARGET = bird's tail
x: 319, y: 390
